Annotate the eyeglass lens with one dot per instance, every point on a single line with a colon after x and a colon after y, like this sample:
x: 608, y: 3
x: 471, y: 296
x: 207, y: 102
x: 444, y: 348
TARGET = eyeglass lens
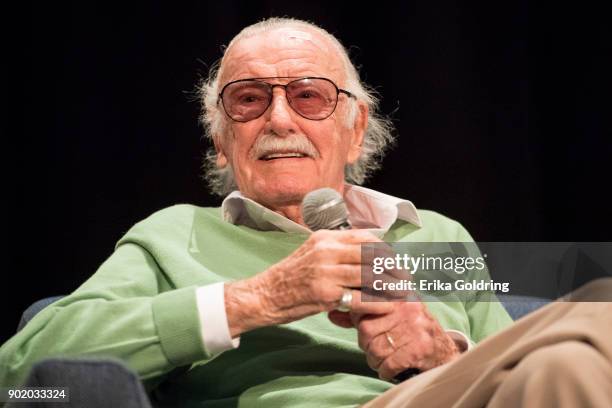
x: 312, y: 98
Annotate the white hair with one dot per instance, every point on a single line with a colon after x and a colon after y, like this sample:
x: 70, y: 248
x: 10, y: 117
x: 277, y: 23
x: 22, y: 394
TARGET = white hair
x: 378, y: 136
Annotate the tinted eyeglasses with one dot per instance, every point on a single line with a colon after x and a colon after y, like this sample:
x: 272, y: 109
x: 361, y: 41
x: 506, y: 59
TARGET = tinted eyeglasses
x: 310, y: 97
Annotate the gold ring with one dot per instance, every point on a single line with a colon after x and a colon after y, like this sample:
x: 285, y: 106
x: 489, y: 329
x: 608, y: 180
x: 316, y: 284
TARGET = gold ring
x: 390, y: 340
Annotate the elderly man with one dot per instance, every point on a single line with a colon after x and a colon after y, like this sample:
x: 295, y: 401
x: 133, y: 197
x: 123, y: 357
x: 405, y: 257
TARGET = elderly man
x: 234, y: 295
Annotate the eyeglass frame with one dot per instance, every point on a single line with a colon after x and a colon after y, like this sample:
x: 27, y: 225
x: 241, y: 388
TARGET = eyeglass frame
x: 272, y: 86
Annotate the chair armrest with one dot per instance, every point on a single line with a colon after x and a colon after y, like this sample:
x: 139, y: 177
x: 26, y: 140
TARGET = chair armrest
x: 34, y: 308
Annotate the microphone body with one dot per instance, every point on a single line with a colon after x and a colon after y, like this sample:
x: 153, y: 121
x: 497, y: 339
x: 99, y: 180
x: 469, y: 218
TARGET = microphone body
x: 325, y: 209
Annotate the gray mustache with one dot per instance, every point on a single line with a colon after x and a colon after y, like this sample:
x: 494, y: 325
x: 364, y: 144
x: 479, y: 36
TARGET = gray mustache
x: 268, y: 144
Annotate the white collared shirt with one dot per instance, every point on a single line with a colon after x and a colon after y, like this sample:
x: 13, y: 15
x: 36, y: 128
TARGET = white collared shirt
x: 368, y: 209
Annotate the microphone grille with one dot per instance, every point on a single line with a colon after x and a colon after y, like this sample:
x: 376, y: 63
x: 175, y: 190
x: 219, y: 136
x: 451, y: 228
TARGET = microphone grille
x: 324, y: 209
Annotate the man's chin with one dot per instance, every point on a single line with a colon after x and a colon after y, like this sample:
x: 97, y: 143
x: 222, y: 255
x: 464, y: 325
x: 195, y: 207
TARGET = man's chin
x: 284, y: 189
x: 287, y: 195
x: 283, y: 193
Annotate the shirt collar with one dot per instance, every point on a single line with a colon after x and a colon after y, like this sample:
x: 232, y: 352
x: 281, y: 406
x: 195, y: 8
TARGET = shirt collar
x: 368, y: 209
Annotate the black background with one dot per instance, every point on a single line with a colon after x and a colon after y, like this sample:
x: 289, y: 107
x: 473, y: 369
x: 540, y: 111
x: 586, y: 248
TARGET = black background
x: 501, y: 112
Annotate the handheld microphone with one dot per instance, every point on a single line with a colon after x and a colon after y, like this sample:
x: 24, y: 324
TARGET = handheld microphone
x: 325, y: 209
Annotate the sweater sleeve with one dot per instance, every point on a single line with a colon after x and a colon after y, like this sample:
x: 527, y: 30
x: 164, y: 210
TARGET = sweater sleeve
x: 119, y: 312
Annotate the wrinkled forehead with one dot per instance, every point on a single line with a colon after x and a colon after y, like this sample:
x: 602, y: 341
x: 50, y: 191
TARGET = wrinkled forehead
x: 282, y: 52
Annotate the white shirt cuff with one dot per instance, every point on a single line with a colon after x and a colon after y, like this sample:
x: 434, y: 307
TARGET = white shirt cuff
x: 461, y: 340
x: 213, y: 319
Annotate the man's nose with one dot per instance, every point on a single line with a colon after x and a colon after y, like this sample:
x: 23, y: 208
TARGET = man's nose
x: 280, y: 114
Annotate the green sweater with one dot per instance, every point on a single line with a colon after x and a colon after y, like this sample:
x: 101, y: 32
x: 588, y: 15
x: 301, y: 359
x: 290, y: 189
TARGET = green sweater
x: 140, y: 306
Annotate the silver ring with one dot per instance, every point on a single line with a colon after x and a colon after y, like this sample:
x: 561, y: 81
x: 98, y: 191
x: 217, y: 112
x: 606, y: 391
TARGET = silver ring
x: 346, y: 300
x: 390, y: 340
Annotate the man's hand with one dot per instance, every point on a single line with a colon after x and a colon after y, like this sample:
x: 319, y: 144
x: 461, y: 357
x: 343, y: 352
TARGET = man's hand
x: 408, y: 336
x: 308, y: 281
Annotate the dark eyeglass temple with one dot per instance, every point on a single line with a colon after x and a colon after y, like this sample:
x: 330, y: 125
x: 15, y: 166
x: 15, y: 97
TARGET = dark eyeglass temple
x: 347, y: 93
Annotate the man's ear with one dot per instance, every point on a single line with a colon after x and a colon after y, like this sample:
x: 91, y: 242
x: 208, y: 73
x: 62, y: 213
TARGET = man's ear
x: 358, y: 132
x: 221, y: 156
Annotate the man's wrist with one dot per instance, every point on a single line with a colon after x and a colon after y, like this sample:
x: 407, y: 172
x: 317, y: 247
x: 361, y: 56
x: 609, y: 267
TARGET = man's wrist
x: 243, y: 307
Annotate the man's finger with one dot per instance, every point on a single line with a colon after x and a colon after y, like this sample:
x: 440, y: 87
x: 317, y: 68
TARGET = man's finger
x: 371, y: 326
x: 383, y: 345
x: 348, y: 276
x: 357, y: 236
x: 402, y: 359
x: 394, y: 364
x: 342, y: 319
x: 373, y: 362
x: 374, y: 305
